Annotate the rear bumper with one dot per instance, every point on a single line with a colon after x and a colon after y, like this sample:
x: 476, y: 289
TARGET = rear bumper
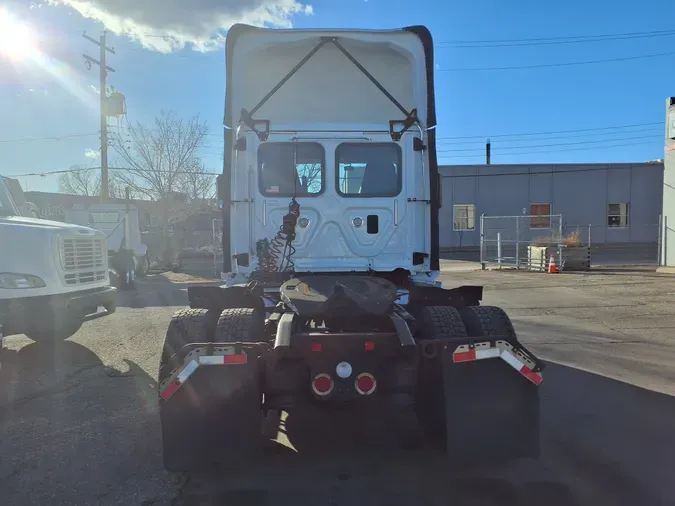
x: 19, y: 315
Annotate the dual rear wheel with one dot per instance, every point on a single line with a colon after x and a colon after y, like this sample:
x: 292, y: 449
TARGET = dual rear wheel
x: 483, y: 410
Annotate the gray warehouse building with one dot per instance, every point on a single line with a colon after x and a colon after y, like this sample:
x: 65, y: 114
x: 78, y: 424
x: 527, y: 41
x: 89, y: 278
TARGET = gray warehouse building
x: 605, y: 203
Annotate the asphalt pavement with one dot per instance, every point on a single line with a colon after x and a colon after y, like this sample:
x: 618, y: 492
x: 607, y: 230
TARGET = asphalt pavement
x: 79, y: 424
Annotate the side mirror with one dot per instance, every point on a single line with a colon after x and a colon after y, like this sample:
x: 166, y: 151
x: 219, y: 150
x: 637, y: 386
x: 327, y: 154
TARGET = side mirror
x: 222, y: 190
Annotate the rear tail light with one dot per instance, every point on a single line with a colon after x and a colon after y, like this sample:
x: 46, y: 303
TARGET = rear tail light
x: 365, y: 383
x: 322, y: 384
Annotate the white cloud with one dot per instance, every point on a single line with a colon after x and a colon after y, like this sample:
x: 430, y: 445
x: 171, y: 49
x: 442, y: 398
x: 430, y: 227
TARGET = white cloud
x: 94, y: 89
x: 91, y: 153
x: 168, y: 25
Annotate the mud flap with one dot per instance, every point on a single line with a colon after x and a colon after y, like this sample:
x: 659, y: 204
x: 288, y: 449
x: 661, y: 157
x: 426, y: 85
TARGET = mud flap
x: 491, y: 410
x: 210, y: 408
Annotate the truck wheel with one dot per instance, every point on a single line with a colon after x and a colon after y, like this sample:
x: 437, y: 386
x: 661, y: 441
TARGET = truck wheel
x: 216, y: 417
x: 54, y: 330
x: 241, y: 324
x: 437, y: 322
x: 442, y: 322
x: 186, y: 326
x: 488, y: 321
x: 492, y: 410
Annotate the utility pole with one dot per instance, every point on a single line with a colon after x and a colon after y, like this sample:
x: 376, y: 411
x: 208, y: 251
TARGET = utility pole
x: 103, y: 74
x: 487, y: 152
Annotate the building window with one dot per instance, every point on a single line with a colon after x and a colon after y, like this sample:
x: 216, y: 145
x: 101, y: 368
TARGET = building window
x: 368, y: 169
x: 464, y: 217
x: 617, y: 214
x: 291, y: 168
x: 540, y: 215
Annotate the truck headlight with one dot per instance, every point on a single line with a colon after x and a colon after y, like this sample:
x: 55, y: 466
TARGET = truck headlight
x: 13, y: 280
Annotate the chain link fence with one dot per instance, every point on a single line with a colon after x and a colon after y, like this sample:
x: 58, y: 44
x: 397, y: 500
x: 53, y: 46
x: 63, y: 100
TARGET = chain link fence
x: 634, y: 244
x: 504, y: 240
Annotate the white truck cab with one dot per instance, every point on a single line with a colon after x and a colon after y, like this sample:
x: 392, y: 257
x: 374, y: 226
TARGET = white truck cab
x: 53, y: 275
x: 127, y: 255
x: 346, y: 136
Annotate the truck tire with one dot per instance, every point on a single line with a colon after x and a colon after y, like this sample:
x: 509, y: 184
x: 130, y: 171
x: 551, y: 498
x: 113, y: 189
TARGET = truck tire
x: 436, y: 322
x: 187, y: 326
x: 53, y: 325
x: 442, y: 322
x: 496, y: 410
x: 60, y: 333
x: 240, y: 324
x: 488, y: 321
x: 216, y: 418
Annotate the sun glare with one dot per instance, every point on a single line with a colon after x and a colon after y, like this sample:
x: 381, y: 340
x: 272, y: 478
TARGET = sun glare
x: 17, y: 40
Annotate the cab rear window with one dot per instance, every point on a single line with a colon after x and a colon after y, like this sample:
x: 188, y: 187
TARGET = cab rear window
x: 291, y: 168
x: 368, y: 170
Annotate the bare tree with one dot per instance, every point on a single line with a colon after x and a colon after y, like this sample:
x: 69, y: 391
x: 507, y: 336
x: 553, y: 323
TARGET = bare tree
x: 159, y: 160
x: 313, y: 173
x: 197, y: 183
x: 81, y: 181
x: 87, y: 181
x: 162, y: 164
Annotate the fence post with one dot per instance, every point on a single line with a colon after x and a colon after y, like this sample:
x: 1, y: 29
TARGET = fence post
x: 499, y: 249
x: 482, y: 242
x: 589, y: 235
x: 517, y: 243
x: 658, y: 241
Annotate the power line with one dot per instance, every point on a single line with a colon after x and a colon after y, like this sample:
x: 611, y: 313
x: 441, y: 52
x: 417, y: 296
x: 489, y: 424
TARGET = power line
x: 564, y: 64
x: 50, y: 138
x: 585, y: 148
x: 553, y: 40
x: 553, y: 131
x: 482, y: 139
x: 556, y: 144
x: 71, y: 170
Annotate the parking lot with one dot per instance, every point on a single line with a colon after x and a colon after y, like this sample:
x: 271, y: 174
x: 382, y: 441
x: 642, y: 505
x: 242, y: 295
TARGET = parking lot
x: 79, y: 424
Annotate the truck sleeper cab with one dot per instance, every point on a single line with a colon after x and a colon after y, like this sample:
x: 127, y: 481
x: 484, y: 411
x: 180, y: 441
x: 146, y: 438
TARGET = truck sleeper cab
x: 330, y: 198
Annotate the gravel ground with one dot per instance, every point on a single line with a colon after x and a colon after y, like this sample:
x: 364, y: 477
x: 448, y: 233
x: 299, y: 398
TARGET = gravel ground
x: 79, y: 425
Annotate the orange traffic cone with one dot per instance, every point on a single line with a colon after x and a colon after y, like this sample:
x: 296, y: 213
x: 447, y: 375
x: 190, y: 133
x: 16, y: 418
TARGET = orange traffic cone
x: 552, y: 267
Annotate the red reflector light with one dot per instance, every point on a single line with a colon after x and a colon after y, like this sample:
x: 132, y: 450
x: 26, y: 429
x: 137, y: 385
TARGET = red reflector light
x: 234, y: 359
x: 317, y: 347
x: 365, y: 383
x: 369, y: 346
x: 322, y: 384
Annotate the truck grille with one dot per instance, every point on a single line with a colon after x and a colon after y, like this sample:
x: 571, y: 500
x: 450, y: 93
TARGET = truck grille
x: 83, y: 259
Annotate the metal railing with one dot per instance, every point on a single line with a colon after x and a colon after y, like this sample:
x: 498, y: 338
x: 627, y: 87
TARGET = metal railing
x: 504, y: 240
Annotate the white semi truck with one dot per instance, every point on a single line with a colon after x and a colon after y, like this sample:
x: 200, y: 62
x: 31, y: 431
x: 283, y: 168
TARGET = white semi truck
x: 53, y: 276
x: 127, y: 255
x: 330, y: 195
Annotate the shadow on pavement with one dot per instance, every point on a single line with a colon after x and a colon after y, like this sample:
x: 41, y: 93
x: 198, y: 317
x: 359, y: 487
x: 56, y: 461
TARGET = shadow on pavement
x: 604, y: 442
x: 73, y: 431
x: 157, y: 291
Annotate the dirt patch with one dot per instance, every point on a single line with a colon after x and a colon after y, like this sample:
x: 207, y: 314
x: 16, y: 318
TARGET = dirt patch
x: 177, y: 277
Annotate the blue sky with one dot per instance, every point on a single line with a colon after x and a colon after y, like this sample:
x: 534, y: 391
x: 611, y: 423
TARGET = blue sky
x: 56, y: 98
